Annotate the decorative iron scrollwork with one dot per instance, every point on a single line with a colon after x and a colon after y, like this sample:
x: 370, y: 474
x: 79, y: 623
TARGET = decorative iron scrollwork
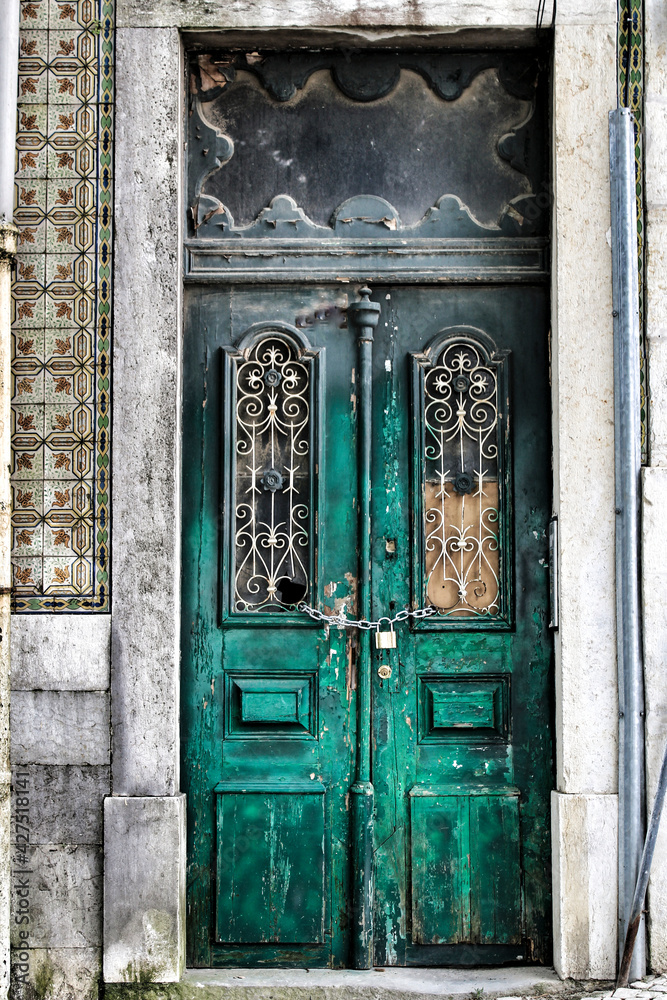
x: 463, y: 482
x: 272, y: 480
x: 463, y: 465
x: 273, y: 488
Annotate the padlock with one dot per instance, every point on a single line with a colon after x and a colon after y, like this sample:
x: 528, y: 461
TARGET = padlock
x: 385, y: 640
x: 384, y: 671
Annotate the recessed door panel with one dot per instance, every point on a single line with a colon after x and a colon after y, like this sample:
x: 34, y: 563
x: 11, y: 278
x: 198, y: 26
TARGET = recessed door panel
x: 271, y: 704
x: 473, y: 707
x: 466, y: 873
x: 270, y: 865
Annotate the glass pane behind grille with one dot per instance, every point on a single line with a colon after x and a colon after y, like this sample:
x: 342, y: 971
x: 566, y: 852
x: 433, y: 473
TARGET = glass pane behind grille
x: 462, y: 482
x: 405, y: 127
x: 272, y: 536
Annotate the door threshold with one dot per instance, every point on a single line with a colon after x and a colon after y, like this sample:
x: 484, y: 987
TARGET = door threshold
x: 376, y: 984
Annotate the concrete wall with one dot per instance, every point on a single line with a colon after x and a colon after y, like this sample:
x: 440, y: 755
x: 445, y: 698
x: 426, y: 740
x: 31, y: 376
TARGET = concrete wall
x: 655, y: 478
x: 60, y: 775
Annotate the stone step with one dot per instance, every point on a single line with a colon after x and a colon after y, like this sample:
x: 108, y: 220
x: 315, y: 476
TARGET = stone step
x: 509, y: 983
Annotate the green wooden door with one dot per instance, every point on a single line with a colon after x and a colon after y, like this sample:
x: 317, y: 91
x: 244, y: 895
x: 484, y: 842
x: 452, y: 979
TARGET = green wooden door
x: 347, y: 804
x: 268, y: 700
x: 461, y: 728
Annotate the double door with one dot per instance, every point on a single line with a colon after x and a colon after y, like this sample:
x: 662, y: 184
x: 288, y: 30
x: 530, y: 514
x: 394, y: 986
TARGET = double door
x: 349, y: 804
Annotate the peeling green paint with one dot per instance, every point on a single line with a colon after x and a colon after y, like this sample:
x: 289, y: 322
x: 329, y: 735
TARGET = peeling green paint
x: 512, y: 760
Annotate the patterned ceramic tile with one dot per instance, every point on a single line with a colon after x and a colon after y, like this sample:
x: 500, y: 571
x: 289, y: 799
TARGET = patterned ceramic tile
x: 62, y: 302
x: 631, y: 94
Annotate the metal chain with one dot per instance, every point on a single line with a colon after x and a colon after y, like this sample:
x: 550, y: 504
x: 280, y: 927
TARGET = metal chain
x: 340, y: 620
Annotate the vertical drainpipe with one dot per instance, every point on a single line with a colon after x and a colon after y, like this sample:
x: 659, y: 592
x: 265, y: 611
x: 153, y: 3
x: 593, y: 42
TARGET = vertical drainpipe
x: 363, y: 316
x: 627, y: 457
x: 9, y: 57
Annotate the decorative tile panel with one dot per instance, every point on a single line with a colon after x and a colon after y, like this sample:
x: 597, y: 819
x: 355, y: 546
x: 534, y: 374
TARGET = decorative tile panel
x: 631, y: 95
x: 62, y: 307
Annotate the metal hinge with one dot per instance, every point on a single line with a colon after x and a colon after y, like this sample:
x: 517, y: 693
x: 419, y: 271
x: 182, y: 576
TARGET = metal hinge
x: 554, y: 583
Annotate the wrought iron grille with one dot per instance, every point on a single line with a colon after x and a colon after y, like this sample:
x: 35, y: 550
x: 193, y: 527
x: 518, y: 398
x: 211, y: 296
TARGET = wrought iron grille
x: 462, y: 495
x: 272, y: 535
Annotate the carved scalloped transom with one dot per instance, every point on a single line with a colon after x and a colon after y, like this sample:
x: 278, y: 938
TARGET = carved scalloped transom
x: 317, y: 145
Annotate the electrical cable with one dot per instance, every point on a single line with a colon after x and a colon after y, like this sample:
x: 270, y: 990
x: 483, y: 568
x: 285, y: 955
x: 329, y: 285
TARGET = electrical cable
x: 540, y: 14
x: 541, y: 5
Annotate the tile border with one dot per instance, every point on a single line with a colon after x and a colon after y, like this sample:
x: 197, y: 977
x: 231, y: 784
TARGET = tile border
x: 62, y: 307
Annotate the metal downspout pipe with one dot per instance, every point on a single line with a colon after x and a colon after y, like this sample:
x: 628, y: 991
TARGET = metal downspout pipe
x: 363, y: 316
x: 9, y: 58
x: 627, y: 457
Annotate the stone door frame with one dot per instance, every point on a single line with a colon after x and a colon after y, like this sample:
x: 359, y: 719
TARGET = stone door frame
x: 144, y: 916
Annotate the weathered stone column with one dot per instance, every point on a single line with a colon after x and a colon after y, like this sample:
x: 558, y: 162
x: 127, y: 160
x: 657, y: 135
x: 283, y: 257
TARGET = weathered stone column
x: 585, y: 802
x: 144, y: 819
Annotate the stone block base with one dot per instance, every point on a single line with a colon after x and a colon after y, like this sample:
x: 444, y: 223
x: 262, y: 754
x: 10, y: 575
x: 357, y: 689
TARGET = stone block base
x: 584, y: 831
x: 55, y: 974
x: 654, y: 560
x: 144, y: 889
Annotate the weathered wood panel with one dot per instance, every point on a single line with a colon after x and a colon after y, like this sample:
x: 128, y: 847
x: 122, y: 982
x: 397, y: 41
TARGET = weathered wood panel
x: 466, y: 872
x: 270, y: 866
